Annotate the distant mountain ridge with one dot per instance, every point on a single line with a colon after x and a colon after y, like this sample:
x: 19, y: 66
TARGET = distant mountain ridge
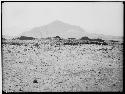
x: 64, y: 30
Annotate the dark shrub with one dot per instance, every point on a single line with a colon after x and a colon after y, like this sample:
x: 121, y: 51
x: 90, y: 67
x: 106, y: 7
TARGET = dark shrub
x: 25, y: 38
x: 84, y: 38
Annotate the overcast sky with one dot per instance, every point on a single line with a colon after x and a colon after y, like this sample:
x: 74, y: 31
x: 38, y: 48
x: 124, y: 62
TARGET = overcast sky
x: 100, y: 18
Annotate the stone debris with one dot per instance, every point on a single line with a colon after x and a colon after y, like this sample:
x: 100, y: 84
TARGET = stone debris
x: 66, y: 68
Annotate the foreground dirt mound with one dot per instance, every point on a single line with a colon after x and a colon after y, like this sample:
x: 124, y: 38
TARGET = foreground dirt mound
x: 87, y: 67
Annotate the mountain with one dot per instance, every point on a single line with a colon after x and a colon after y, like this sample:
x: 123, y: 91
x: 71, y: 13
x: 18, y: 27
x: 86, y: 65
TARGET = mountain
x: 56, y: 28
x: 64, y: 30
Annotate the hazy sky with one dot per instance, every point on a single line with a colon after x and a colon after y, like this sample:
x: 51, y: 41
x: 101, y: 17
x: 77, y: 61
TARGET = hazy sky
x: 100, y: 18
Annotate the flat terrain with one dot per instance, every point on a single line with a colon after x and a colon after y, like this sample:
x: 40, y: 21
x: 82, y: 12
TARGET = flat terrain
x: 69, y: 68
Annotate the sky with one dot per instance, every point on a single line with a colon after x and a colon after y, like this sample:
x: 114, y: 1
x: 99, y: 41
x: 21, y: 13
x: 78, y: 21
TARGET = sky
x: 94, y: 17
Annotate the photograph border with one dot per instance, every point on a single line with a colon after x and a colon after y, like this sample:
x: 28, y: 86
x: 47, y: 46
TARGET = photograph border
x: 60, y: 2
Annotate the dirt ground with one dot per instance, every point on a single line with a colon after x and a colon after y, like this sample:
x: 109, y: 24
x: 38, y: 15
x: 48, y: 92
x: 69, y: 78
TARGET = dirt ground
x: 78, y: 68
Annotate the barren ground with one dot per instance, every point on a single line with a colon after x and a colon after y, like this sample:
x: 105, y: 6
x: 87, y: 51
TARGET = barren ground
x: 46, y: 68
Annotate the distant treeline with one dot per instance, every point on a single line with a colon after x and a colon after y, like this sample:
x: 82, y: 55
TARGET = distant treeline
x: 60, y: 41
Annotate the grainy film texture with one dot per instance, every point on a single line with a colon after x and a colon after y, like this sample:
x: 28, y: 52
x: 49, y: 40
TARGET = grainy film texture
x: 57, y: 54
